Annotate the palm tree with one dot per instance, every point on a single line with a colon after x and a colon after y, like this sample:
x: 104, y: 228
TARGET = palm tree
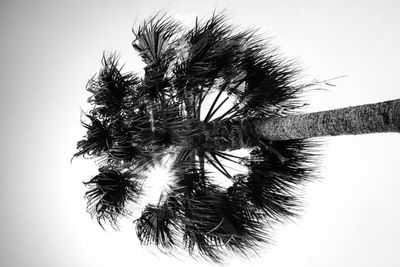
x: 206, y: 92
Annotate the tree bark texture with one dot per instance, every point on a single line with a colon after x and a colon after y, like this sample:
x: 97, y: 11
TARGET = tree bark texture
x: 369, y: 118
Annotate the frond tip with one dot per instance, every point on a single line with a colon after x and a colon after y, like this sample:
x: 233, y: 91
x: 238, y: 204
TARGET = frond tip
x: 108, y: 194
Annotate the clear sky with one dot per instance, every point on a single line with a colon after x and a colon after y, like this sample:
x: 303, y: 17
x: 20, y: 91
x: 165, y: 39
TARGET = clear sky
x: 49, y: 49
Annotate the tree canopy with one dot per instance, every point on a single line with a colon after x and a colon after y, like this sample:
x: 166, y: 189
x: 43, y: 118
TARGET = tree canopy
x: 137, y: 121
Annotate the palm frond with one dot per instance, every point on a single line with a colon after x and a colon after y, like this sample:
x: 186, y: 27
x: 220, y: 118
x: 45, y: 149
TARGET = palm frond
x: 274, y: 186
x: 155, y: 44
x: 212, y: 52
x: 124, y: 146
x: 110, y: 87
x: 98, y: 138
x: 156, y: 226
x: 152, y: 37
x: 215, y: 223
x: 109, y: 194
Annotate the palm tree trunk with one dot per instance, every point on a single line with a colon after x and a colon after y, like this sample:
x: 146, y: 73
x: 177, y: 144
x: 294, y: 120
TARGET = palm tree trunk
x: 370, y: 118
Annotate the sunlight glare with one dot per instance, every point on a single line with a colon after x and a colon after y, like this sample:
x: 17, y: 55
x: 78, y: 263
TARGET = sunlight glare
x: 158, y: 183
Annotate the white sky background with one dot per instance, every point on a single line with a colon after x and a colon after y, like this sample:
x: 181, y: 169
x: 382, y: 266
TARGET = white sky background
x: 49, y: 49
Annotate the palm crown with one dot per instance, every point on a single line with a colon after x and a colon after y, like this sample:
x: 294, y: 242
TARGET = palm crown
x: 137, y: 121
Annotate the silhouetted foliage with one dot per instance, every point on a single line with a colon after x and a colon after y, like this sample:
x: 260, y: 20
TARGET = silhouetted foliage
x: 136, y: 121
x: 109, y: 192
